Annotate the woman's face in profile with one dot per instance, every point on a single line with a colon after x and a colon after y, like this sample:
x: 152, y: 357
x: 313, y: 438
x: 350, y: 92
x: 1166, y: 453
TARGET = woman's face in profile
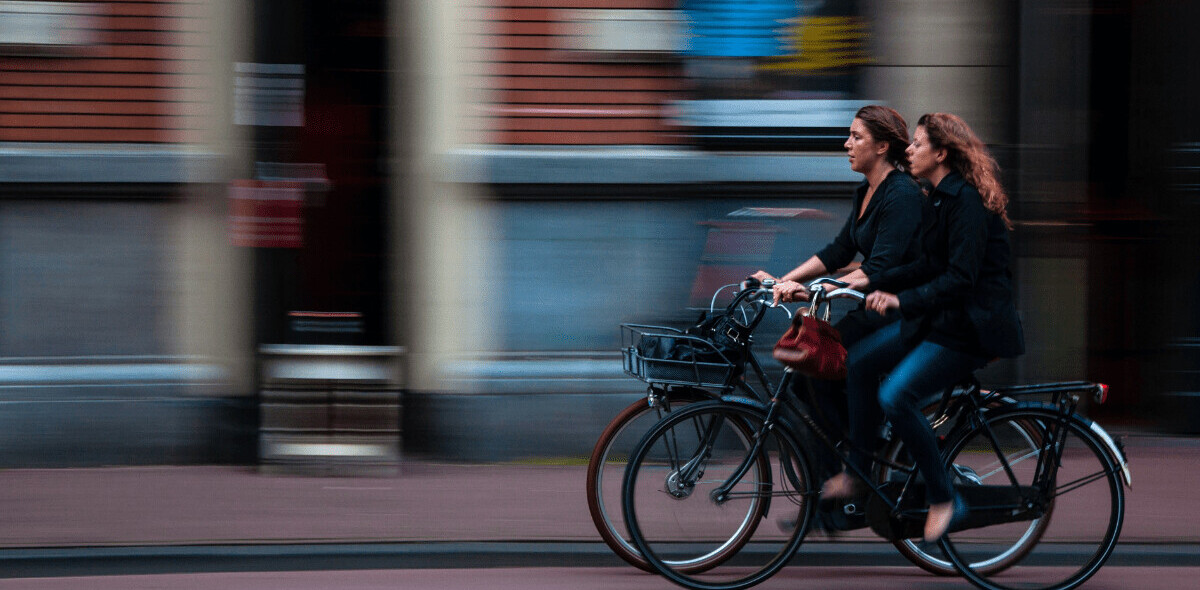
x: 923, y: 159
x: 861, y: 148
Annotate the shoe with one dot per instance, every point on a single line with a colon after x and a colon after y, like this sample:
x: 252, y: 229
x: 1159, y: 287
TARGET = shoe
x: 841, y: 486
x: 943, y: 517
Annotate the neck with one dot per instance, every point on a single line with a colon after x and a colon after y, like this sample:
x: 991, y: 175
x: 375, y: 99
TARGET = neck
x: 938, y: 174
x: 878, y: 173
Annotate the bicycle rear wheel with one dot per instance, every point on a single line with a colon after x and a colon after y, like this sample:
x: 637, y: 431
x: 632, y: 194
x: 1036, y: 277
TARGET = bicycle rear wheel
x: 1086, y: 497
x: 606, y: 469
x: 674, y: 510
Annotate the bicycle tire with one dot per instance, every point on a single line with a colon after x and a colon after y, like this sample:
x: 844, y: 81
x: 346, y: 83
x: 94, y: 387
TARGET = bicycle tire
x: 919, y: 554
x: 1083, y: 461
x: 606, y: 454
x: 715, y: 438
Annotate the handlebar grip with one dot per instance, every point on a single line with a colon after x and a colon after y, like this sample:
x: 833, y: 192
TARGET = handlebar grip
x: 836, y: 283
x: 846, y: 292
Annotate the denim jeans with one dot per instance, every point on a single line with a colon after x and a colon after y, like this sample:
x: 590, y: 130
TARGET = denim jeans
x: 911, y: 374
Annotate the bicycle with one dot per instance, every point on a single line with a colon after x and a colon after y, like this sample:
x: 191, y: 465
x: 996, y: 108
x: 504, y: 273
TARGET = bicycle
x: 702, y: 478
x: 704, y: 373
x: 675, y: 382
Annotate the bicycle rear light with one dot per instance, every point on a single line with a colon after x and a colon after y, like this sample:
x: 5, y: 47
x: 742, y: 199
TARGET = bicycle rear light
x: 1101, y: 393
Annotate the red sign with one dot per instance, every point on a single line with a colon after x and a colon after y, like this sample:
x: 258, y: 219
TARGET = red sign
x: 266, y: 213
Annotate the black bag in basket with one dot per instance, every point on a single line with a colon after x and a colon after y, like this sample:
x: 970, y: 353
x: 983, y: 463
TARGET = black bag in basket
x: 728, y: 338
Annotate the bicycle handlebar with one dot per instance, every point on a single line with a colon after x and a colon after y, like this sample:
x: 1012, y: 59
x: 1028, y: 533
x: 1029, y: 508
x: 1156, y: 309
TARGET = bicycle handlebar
x: 846, y: 292
x: 818, y: 294
x: 812, y: 287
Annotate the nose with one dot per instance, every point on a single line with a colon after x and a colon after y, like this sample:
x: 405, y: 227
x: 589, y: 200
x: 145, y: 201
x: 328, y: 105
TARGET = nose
x: 846, y: 144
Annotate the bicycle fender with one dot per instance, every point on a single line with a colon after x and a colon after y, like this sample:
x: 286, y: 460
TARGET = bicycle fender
x: 742, y: 400
x: 1113, y: 448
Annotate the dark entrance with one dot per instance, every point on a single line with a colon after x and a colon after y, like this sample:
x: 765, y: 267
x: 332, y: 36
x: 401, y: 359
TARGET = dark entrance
x: 336, y: 278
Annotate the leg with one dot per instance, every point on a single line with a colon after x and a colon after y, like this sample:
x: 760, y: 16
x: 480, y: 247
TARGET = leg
x: 866, y: 362
x: 831, y: 395
x: 929, y: 367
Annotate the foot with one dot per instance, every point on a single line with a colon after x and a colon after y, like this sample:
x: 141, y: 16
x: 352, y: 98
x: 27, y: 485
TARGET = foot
x: 840, y: 486
x: 941, y: 517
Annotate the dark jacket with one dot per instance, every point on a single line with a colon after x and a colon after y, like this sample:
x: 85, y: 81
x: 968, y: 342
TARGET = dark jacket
x: 965, y: 296
x: 886, y: 234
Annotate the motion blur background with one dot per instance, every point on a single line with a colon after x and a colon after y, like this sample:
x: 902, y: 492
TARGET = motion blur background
x: 288, y: 230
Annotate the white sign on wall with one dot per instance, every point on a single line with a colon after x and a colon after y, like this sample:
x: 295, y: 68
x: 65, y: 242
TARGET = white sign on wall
x: 268, y: 95
x: 38, y: 27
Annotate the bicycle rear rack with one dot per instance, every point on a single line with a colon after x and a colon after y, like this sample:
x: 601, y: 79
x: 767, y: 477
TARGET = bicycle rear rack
x: 1099, y: 391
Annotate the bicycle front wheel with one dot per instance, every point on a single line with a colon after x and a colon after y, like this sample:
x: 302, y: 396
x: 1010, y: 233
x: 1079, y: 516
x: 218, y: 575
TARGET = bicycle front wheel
x: 999, y: 472
x: 606, y: 469
x: 698, y: 488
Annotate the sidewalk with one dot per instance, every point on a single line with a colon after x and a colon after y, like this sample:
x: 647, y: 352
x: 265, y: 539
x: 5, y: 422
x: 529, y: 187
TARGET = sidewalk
x: 424, y: 502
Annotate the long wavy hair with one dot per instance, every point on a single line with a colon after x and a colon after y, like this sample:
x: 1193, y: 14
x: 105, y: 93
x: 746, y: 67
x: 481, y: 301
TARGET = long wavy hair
x: 885, y: 124
x: 966, y: 154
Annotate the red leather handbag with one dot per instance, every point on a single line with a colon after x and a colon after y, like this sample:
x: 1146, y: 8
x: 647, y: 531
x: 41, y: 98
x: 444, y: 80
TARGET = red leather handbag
x: 813, y: 347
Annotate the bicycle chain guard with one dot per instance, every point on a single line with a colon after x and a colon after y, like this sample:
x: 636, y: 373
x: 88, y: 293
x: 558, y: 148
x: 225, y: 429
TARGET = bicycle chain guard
x: 1008, y: 502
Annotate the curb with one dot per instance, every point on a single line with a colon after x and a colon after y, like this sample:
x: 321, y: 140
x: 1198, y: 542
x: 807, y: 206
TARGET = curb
x: 102, y: 561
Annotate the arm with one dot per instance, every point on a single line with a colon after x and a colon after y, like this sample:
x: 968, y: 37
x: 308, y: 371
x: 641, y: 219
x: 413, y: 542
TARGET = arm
x: 809, y: 269
x: 837, y: 253
x: 789, y: 287
x: 857, y: 279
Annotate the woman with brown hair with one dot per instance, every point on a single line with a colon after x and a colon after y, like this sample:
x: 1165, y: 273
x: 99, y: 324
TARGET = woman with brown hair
x: 884, y: 220
x: 957, y: 317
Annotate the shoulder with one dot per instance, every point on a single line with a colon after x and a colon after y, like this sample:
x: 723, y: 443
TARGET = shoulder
x: 957, y: 191
x: 902, y: 187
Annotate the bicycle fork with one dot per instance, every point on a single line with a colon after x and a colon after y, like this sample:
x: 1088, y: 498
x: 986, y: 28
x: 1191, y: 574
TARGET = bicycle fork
x: 722, y: 493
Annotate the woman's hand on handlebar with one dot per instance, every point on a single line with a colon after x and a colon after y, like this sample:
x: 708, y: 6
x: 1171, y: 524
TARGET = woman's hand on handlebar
x: 789, y: 291
x: 763, y: 276
x: 880, y: 302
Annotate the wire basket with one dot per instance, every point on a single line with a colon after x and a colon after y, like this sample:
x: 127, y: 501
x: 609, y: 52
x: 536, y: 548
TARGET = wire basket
x: 669, y: 356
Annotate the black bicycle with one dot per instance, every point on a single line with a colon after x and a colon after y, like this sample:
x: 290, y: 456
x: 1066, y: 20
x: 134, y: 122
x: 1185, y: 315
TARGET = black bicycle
x: 681, y: 366
x: 703, y: 482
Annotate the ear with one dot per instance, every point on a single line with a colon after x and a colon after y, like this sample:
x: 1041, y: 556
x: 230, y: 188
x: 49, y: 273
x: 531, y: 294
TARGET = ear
x: 883, y: 148
x: 941, y: 156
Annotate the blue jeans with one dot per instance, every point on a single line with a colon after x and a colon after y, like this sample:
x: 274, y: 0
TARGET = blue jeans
x: 911, y: 374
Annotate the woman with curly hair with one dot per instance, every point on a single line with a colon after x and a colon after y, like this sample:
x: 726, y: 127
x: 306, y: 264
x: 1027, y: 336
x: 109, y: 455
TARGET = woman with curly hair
x: 957, y: 317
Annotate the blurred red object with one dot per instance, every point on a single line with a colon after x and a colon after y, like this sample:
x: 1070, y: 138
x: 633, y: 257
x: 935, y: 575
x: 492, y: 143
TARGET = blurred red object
x: 266, y: 213
x: 812, y: 347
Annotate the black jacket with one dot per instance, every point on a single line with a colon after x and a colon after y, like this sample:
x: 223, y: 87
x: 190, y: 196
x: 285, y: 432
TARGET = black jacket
x: 886, y: 235
x: 964, y: 299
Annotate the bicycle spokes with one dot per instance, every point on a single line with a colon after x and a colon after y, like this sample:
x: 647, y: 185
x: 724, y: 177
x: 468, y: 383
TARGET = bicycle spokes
x: 1025, y: 531
x: 715, y: 498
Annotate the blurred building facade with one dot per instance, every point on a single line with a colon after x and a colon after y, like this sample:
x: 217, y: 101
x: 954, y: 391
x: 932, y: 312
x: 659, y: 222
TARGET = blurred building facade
x: 494, y: 185
x: 118, y: 341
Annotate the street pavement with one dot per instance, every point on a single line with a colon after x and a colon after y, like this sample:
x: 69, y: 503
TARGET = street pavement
x: 432, y: 515
x: 571, y: 578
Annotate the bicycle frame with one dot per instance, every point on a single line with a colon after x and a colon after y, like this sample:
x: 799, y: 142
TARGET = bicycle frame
x: 972, y: 407
x: 970, y: 414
